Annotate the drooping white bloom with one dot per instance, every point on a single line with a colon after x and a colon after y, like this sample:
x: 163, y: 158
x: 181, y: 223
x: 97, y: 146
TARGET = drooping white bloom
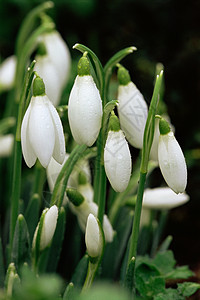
x: 48, y: 227
x: 132, y: 110
x: 172, y: 162
x: 93, y: 237
x: 117, y: 160
x: 7, y: 73
x: 6, y: 145
x: 85, y: 110
x: 42, y: 133
x: 54, y: 66
x: 163, y: 198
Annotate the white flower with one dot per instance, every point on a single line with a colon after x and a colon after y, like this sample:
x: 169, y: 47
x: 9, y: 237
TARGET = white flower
x: 48, y: 227
x: 85, y: 110
x: 163, y: 198
x: 93, y: 237
x: 6, y: 145
x: 172, y: 162
x: 54, y: 66
x: 132, y: 111
x: 42, y: 133
x: 117, y: 160
x: 7, y: 73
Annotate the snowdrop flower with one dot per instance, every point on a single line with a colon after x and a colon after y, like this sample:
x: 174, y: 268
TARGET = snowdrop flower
x: 82, y: 207
x: 117, y: 157
x: 171, y: 159
x: 163, y: 198
x: 132, y: 109
x: 6, y: 145
x: 48, y: 227
x: 41, y: 132
x: 93, y: 237
x: 85, y: 106
x: 53, y: 64
x: 7, y: 73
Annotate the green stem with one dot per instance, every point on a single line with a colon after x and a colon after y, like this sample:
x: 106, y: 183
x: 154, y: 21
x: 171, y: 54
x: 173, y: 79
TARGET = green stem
x: 62, y: 179
x: 92, y: 269
x: 16, y: 184
x: 136, y: 220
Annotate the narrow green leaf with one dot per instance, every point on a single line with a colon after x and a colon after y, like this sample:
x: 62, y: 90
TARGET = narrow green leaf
x: 6, y: 124
x: 166, y: 243
x: 129, y: 280
x: 21, y: 243
x: 80, y: 272
x: 69, y: 292
x: 187, y: 289
x: 56, y: 245
x: 2, y: 268
x: 32, y: 214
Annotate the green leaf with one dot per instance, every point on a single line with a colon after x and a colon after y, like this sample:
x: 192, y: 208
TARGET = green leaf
x: 130, y: 275
x: 169, y: 294
x: 21, y: 244
x: 56, y: 245
x: 2, y: 268
x: 164, y: 262
x: 148, y: 280
x: 6, y: 124
x: 165, y: 244
x: 80, y: 272
x: 32, y: 214
x: 182, y: 272
x: 188, y: 288
x: 70, y: 293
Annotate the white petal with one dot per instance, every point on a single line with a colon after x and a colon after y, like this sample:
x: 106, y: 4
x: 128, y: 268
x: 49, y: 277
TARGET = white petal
x: 108, y: 230
x: 117, y: 160
x: 59, y: 148
x: 59, y: 54
x: 47, y: 71
x: 41, y: 130
x: 163, y: 198
x: 85, y: 110
x: 172, y: 162
x: 6, y: 145
x: 27, y: 150
x: 7, y: 72
x: 87, y: 191
x: 132, y: 111
x: 92, y: 237
x: 49, y: 226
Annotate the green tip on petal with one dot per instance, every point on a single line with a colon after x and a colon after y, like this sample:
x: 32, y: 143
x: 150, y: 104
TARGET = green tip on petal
x: 74, y: 196
x: 42, y: 49
x: 83, y: 67
x: 123, y: 75
x: 164, y: 127
x: 114, y: 124
x: 38, y: 87
x: 82, y: 178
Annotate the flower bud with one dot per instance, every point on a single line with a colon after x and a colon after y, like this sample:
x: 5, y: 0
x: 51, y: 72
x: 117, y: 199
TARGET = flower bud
x: 132, y: 109
x: 171, y: 159
x: 85, y: 107
x: 7, y: 73
x: 163, y: 198
x: 49, y: 226
x: 117, y: 160
x: 93, y: 237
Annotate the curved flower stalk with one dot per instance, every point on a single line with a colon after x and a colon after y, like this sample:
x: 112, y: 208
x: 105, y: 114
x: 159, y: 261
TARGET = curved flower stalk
x: 132, y: 109
x: 117, y: 157
x: 42, y: 132
x: 7, y: 73
x: 83, y: 208
x: 53, y: 64
x: 48, y: 227
x: 171, y: 159
x: 93, y: 237
x: 163, y: 198
x: 6, y: 145
x: 85, y: 106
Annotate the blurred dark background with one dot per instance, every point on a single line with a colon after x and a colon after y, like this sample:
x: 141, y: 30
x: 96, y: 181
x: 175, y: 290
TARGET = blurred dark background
x: 166, y: 31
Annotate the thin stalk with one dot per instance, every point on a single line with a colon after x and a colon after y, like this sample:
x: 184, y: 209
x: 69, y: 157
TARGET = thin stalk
x: 39, y: 179
x: 92, y: 269
x: 136, y: 220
